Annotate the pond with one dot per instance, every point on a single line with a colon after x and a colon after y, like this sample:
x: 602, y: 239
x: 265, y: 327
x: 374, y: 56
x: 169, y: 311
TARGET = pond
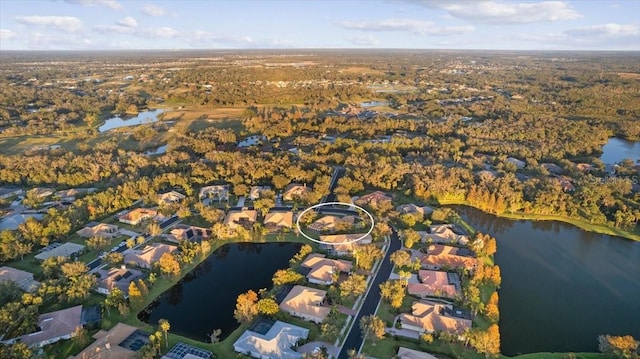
x: 617, y: 149
x: 561, y: 286
x: 205, y: 298
x: 142, y: 117
x: 157, y: 151
x: 373, y: 104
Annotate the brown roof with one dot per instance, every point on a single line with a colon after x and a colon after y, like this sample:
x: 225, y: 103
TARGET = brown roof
x: 441, y: 255
x: 118, y: 277
x: 98, y: 229
x: 322, y: 268
x: 107, y: 342
x: 148, y: 255
x: 234, y: 218
x: 294, y: 190
x: 430, y: 317
x: 54, y: 325
x: 138, y: 214
x: 406, y: 353
x: 340, y: 239
x: 306, y: 301
x: 374, y: 197
x: 22, y: 279
x: 433, y: 283
x: 279, y: 219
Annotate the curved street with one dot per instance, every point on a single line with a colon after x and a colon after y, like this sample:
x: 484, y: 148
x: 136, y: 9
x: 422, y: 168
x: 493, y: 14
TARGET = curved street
x: 354, y: 337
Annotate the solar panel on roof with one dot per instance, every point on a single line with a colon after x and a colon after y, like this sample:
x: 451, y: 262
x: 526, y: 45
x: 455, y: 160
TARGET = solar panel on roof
x: 127, y: 274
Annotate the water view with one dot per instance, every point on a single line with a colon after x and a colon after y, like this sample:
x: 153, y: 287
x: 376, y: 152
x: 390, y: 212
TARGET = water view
x: 561, y: 286
x: 617, y: 149
x: 206, y: 298
x: 374, y: 103
x: 142, y: 117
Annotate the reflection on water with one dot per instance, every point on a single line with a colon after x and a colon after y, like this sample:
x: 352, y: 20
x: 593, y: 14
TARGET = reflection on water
x: 561, y: 286
x: 618, y: 149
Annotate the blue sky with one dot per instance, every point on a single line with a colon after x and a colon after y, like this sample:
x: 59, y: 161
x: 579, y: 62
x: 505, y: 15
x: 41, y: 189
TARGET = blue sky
x: 423, y: 24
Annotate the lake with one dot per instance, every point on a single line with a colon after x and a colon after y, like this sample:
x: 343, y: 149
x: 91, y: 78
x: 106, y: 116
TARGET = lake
x: 373, y: 104
x: 561, y: 286
x: 142, y: 117
x: 205, y: 298
x: 617, y: 149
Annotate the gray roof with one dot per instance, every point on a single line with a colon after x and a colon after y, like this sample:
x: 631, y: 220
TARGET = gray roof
x: 64, y: 250
x: 275, y: 344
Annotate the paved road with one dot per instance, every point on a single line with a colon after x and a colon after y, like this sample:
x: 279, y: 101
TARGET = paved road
x: 354, y: 338
x: 337, y: 173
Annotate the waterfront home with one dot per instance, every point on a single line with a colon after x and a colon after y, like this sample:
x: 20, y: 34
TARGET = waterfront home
x: 430, y: 317
x: 274, y: 340
x: 414, y: 209
x: 321, y: 270
x: 24, y: 280
x: 117, y: 343
x: 190, y: 233
x: 435, y: 284
x: 343, y: 244
x: 117, y: 277
x: 440, y: 256
x: 295, y: 191
x: 135, y: 216
x: 331, y: 223
x: 150, y: 254
x: 306, y: 303
x: 443, y: 234
x: 60, y: 250
x: 244, y: 217
x: 278, y: 220
x: 53, y: 326
x: 96, y: 229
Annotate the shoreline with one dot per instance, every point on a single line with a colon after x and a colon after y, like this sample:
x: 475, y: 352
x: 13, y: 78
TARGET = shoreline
x: 586, y: 226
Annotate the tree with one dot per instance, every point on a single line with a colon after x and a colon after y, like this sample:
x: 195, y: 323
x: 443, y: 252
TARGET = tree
x: 302, y: 254
x: 285, y: 276
x: 114, y: 258
x: 487, y: 342
x: 264, y: 205
x: 372, y: 325
x: 353, y: 286
x: 15, y: 350
x: 168, y: 264
x: 246, y: 307
x: 131, y: 242
x: 215, y: 336
x: 135, y: 296
x: 114, y: 299
x: 401, y: 258
x: 491, y: 309
x: 80, y: 336
x: 164, y: 326
x: 268, y: 306
x: 353, y: 354
x: 154, y: 228
x: 366, y: 255
x: 393, y: 291
x: 624, y: 347
x: 97, y: 243
x: 411, y: 237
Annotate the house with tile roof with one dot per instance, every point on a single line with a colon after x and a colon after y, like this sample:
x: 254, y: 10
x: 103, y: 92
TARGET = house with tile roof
x: 306, y: 303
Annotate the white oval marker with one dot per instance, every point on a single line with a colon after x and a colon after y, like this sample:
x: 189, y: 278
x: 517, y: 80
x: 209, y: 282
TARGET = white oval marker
x: 332, y: 203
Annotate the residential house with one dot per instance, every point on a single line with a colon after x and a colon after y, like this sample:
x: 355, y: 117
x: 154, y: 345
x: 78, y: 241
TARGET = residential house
x: 53, y: 327
x: 406, y: 353
x: 441, y: 256
x: 10, y: 191
x: 443, y: 234
x: 276, y: 343
x: 96, y: 229
x: 278, y: 220
x: 135, y: 216
x: 170, y: 198
x: 321, y: 270
x: 244, y: 217
x: 117, y: 277
x: 13, y: 221
x: 435, y: 284
x: 190, y: 233
x: 414, y: 209
x: 566, y: 183
x: 114, y: 344
x: 306, y: 303
x: 71, y: 194
x: 186, y: 351
x: 343, y: 244
x: 41, y: 192
x: 150, y: 254
x: 61, y: 250
x: 431, y: 317
x: 295, y: 191
x: 22, y: 279
x: 552, y: 168
x: 584, y: 167
x: 331, y: 223
x: 256, y: 191
x: 219, y: 192
x: 373, y: 199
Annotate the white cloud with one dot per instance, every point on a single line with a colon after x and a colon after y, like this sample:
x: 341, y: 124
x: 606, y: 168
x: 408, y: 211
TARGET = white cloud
x: 112, y: 29
x: 366, y: 40
x: 504, y: 12
x: 416, y: 26
x: 158, y: 32
x: 51, y: 41
x: 207, y: 37
x: 64, y: 23
x: 153, y: 10
x: 112, y: 4
x: 608, y: 30
x: 128, y: 22
x: 7, y: 34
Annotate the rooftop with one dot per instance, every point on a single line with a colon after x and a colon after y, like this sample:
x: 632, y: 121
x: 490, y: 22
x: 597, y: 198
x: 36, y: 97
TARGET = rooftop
x: 276, y: 343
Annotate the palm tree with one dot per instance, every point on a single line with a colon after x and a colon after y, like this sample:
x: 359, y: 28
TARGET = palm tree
x: 165, y: 326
